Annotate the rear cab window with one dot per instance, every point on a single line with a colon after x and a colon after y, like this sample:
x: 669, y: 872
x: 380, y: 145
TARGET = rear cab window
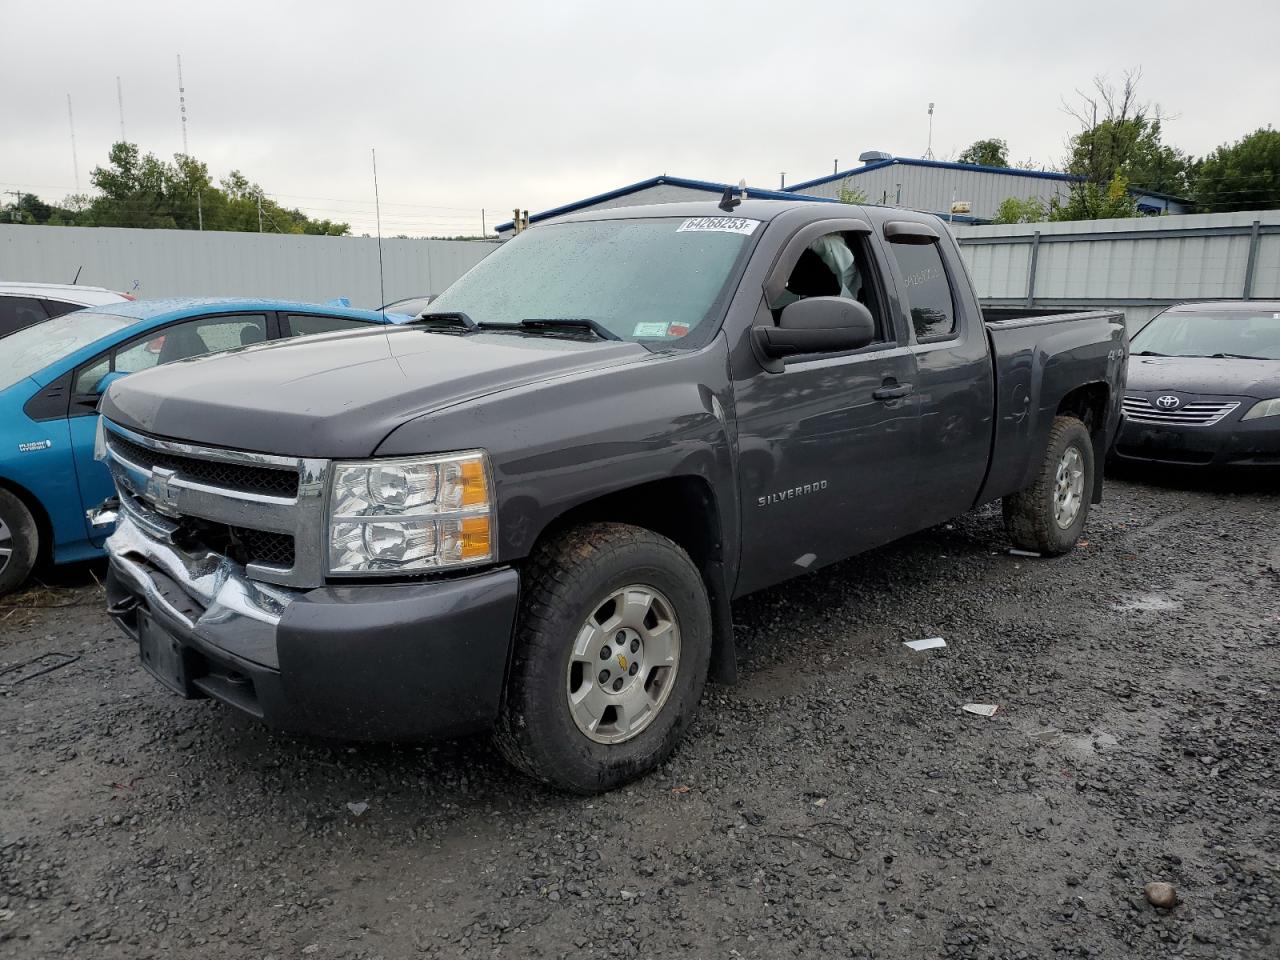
x: 927, y: 291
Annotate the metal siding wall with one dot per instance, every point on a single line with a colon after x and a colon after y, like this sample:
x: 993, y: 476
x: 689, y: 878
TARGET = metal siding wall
x: 930, y: 188
x: 163, y: 263
x: 1101, y: 272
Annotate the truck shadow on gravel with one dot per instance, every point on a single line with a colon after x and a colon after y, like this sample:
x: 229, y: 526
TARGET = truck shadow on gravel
x: 848, y: 615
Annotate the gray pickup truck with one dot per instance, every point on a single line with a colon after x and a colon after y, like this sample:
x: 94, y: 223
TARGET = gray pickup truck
x: 529, y: 510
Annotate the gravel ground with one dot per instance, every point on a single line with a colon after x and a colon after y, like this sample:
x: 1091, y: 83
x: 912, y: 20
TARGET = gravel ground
x: 835, y: 803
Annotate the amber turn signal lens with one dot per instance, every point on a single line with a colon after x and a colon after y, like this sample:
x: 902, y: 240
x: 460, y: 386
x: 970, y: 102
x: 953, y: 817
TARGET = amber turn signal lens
x: 475, y: 486
x: 475, y: 538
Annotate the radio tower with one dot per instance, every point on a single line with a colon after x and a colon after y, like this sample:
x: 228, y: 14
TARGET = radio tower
x: 75, y: 163
x: 928, y: 150
x: 182, y: 107
x: 120, y: 101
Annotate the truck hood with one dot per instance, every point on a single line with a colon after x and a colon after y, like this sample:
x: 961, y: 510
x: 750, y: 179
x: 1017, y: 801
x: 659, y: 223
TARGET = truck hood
x: 339, y: 395
x: 1206, y: 375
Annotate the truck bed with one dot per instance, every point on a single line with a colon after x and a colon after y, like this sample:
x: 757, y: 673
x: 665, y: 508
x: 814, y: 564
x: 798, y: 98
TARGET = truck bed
x: 1041, y: 361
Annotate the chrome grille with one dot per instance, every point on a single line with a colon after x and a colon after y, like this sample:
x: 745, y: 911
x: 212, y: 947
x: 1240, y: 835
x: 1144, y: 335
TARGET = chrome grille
x: 261, y: 511
x: 1197, y: 413
x: 282, y: 482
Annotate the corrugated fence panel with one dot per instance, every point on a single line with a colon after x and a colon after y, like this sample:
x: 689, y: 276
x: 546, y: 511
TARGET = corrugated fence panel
x: 1266, y: 271
x: 1000, y: 269
x: 1137, y: 265
x: 163, y: 263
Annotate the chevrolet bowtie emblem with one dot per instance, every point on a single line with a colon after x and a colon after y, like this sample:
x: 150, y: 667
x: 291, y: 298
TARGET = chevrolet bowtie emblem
x: 622, y: 661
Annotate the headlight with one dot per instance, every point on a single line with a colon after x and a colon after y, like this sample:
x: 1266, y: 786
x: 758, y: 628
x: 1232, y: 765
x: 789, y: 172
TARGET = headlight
x: 1263, y: 408
x: 410, y: 515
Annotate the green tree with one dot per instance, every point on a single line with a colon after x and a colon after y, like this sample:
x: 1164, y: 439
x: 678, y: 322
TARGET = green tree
x: 1092, y: 201
x: 1244, y: 175
x: 1120, y: 140
x: 853, y: 195
x: 139, y: 190
x: 1017, y: 210
x: 986, y: 153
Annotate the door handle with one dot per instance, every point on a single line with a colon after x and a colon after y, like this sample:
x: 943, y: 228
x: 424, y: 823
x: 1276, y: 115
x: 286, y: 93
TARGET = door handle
x: 892, y: 391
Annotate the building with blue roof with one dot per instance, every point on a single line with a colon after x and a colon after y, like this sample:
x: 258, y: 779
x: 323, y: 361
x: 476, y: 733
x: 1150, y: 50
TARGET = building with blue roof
x: 661, y: 189
x: 933, y: 185
x: 930, y: 186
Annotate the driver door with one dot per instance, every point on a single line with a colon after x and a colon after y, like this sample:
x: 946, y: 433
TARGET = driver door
x: 828, y: 443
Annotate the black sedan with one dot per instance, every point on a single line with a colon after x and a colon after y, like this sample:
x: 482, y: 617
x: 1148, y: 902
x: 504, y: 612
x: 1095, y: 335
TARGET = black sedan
x: 1204, y: 386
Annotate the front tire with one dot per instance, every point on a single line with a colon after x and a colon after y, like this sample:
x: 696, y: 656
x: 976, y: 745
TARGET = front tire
x: 19, y: 542
x: 611, y: 654
x: 1048, y: 517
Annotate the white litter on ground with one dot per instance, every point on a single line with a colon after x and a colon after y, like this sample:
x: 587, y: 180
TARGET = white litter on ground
x: 1015, y: 552
x: 981, y: 709
x: 930, y: 643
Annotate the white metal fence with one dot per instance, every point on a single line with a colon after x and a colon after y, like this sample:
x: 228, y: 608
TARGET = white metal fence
x: 1137, y: 265
x: 169, y: 263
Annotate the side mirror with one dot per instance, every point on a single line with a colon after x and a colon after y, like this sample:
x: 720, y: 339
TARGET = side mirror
x: 106, y: 380
x: 817, y: 325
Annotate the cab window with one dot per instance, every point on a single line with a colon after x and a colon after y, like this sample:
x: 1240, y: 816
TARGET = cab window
x: 927, y: 290
x: 837, y: 265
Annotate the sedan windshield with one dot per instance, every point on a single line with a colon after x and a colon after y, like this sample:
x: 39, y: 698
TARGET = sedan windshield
x: 1221, y: 333
x: 663, y: 279
x: 33, y: 348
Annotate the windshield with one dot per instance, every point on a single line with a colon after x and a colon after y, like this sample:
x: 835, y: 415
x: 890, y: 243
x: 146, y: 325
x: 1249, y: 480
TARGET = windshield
x: 653, y: 279
x: 33, y: 348
x: 1225, y: 333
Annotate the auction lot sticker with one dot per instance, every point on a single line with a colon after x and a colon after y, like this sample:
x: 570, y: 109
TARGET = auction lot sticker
x: 718, y: 225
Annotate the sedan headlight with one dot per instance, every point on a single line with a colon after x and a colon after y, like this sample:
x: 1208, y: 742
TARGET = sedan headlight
x: 1263, y: 408
x: 410, y: 515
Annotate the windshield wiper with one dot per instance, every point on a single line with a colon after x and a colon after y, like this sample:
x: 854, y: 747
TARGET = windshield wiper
x: 447, y: 322
x: 1234, y: 356
x: 574, y: 324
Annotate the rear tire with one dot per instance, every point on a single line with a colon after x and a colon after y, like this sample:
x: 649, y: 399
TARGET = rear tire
x: 1049, y: 516
x: 19, y: 542
x: 613, y: 599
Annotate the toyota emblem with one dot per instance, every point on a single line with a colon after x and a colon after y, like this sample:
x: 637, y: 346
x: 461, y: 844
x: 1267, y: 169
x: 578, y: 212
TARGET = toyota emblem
x: 1168, y: 402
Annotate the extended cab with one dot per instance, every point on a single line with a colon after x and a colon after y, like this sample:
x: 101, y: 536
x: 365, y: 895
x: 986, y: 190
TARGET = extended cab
x: 529, y: 510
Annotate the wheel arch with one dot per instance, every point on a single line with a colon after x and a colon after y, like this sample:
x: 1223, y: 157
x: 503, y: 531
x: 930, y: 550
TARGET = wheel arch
x: 1089, y: 403
x: 685, y: 510
x: 44, y: 525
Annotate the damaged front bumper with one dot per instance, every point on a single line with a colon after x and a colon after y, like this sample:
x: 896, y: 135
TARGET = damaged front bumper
x: 412, y: 660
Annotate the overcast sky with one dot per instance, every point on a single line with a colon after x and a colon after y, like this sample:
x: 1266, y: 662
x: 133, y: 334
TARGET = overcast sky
x: 497, y: 104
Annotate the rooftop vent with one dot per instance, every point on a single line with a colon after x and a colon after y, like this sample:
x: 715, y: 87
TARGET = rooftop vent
x: 874, y: 156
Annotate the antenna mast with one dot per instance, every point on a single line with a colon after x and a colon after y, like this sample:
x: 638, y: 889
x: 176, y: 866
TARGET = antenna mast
x: 928, y: 150
x: 377, y: 210
x: 120, y: 101
x: 182, y: 107
x: 75, y: 163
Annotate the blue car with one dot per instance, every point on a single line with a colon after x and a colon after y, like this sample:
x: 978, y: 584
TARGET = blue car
x: 52, y: 375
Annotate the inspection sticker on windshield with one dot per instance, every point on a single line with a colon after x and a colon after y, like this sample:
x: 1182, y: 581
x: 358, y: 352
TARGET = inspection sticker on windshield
x: 719, y: 225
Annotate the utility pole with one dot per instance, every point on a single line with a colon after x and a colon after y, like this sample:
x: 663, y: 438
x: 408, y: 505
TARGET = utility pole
x: 483, y: 230
x: 835, y: 165
x: 259, y: 211
x: 75, y: 163
x: 17, y: 200
x: 928, y: 150
x: 200, y: 213
x: 782, y: 180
